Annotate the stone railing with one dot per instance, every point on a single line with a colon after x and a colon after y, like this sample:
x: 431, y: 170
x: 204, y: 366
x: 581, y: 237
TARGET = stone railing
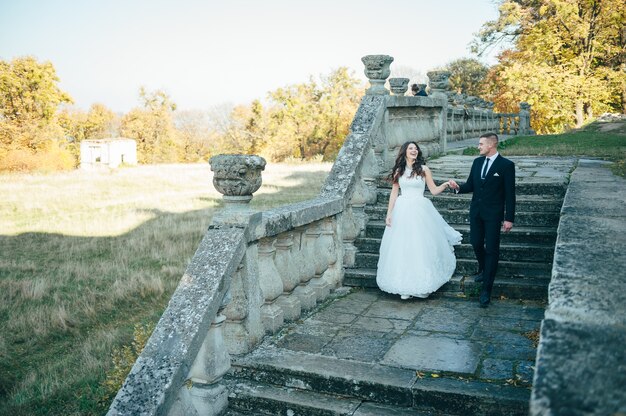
x: 466, y: 116
x: 254, y: 271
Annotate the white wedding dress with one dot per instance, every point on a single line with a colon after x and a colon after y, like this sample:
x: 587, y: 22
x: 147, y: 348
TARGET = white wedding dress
x: 416, y: 252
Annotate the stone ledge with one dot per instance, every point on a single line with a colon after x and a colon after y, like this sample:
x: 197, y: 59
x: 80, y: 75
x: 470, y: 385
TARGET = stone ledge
x: 288, y: 217
x: 412, y: 101
x: 580, y: 370
x: 163, y: 366
x: 581, y: 360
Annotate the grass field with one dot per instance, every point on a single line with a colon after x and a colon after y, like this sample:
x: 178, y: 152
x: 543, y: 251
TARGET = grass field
x: 85, y: 256
x: 598, y: 140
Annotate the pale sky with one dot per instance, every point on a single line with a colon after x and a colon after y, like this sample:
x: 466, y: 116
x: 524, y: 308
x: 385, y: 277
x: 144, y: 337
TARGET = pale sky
x: 204, y: 53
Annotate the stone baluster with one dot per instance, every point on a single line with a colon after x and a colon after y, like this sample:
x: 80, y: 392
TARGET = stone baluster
x: 330, y: 240
x: 306, y: 294
x: 459, y: 108
x: 399, y: 86
x: 491, y: 126
x: 507, y: 124
x: 513, y: 122
x: 377, y: 71
x: 204, y: 394
x: 271, y: 286
x: 289, y: 302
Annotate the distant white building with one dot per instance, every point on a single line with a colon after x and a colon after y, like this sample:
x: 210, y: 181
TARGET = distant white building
x: 107, y: 152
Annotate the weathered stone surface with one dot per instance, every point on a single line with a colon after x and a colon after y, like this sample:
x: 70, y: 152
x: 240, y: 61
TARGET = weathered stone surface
x: 581, y: 370
x: 434, y: 353
x: 581, y: 360
x: 162, y: 367
x: 496, y: 369
x: 588, y: 280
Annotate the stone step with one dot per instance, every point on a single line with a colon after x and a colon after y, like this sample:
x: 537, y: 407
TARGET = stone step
x: 532, y: 288
x: 266, y: 399
x: 511, y: 252
x: 466, y: 267
x: 552, y: 189
x: 523, y: 203
x: 537, y: 235
x: 350, y: 382
x: 541, y: 219
x: 367, y: 256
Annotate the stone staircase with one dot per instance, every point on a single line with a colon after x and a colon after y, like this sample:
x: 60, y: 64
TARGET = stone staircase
x: 281, y: 382
x: 525, y: 253
x: 371, y: 354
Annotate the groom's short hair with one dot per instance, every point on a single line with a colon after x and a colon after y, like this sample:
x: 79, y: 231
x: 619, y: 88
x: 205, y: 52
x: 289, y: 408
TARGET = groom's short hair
x: 490, y: 136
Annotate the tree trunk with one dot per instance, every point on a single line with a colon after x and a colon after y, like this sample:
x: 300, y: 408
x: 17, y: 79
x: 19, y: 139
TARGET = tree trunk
x: 624, y: 98
x: 580, y: 117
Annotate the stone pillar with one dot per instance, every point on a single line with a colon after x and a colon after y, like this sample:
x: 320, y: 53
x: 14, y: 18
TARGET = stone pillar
x: 399, y: 86
x: 439, y: 83
x: 203, y: 394
x: 524, y: 118
x: 377, y: 71
x: 237, y: 177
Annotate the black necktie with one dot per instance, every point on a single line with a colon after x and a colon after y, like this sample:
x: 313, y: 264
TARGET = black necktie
x: 484, y: 174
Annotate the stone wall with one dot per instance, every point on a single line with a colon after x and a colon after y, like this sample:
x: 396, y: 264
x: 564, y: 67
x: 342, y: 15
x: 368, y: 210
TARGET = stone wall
x: 581, y: 359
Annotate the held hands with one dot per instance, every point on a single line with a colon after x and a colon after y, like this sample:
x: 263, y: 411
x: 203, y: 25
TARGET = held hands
x: 453, y: 184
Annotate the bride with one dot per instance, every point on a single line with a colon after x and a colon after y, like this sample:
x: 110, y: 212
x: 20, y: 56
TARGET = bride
x: 416, y: 252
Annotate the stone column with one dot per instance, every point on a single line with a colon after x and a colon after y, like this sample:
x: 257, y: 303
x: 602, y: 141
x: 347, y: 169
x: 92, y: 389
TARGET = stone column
x: 237, y: 177
x: 524, y: 118
x: 377, y: 71
x: 399, y: 86
x: 439, y: 83
x: 205, y: 394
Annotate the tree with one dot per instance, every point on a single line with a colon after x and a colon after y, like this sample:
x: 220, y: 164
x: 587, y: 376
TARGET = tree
x: 153, y: 128
x: 468, y: 76
x: 312, y: 119
x: 564, y: 57
x: 30, y: 136
x: 196, y: 137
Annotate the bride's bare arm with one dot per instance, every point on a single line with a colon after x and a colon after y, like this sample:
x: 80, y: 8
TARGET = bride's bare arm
x: 434, y: 189
x: 392, y: 201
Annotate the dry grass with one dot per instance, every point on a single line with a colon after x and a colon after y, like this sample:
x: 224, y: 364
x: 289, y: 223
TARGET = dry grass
x: 84, y: 256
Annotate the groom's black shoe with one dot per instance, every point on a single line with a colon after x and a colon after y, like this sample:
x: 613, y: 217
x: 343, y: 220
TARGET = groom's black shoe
x: 478, y: 277
x: 483, y: 300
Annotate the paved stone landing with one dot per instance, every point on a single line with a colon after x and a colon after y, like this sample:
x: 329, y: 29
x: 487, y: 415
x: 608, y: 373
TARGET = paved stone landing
x: 439, y: 335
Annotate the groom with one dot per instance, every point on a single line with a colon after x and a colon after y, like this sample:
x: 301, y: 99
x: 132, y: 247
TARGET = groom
x: 492, y: 182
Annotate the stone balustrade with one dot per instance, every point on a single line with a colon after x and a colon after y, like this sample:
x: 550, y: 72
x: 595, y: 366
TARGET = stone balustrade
x: 254, y: 271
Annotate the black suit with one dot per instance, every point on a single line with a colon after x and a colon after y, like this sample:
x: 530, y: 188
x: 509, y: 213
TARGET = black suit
x: 493, y: 201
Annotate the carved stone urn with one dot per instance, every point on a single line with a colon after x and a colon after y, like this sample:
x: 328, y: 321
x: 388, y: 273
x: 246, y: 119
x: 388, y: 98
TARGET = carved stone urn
x: 439, y: 82
x: 377, y: 71
x: 237, y: 177
x: 399, y: 85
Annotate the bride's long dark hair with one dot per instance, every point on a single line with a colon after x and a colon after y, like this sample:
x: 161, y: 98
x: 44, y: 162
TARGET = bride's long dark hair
x: 400, y: 166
